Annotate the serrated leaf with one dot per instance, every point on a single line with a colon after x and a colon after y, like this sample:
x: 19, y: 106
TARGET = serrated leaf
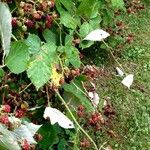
x: 68, y: 39
x: 86, y: 44
x: 88, y: 8
x: 119, y: 4
x: 69, y: 21
x: 5, y: 27
x: 50, y: 36
x: 49, y: 135
x: 72, y: 55
x: 107, y: 17
x: 84, y: 29
x: 68, y: 4
x: 34, y: 43
x: 17, y: 60
x: 95, y: 22
x: 39, y: 70
x: 75, y: 91
x: 7, y: 140
x: 62, y: 144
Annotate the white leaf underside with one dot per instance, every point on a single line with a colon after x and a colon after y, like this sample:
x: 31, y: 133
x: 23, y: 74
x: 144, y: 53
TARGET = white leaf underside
x: 128, y: 80
x: 97, y: 35
x: 119, y: 71
x: 5, y: 27
x: 56, y: 116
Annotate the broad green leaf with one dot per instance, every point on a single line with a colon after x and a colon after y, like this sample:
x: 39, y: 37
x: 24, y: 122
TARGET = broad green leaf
x: 17, y: 60
x: 88, y: 8
x: 5, y: 27
x: 7, y: 140
x: 69, y: 21
x: 76, y: 94
x: 118, y: 4
x: 95, y: 23
x: 68, y: 4
x: 72, y: 55
x: 84, y: 29
x: 49, y: 36
x: 34, y: 43
x: 68, y: 39
x: 107, y: 17
x: 86, y: 44
x: 49, y: 135
x: 62, y: 144
x: 39, y: 69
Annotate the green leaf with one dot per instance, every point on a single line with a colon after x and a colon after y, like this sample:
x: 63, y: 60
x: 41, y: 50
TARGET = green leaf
x: 95, y: 22
x: 49, y: 135
x: 7, y: 140
x: 72, y: 55
x: 49, y: 36
x: 68, y: 39
x: 17, y: 60
x: 86, y: 44
x: 108, y: 16
x: 39, y: 70
x: 69, y: 21
x: 68, y: 4
x: 88, y: 8
x: 2, y: 73
x: 76, y: 94
x: 62, y: 144
x: 118, y: 4
x: 34, y: 43
x: 84, y: 29
x: 5, y: 27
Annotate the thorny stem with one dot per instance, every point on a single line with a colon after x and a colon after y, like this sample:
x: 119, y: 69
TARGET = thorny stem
x: 14, y: 37
x: 2, y: 66
x: 47, y: 97
x: 76, y: 122
x: 60, y: 28
x: 61, y: 64
x: 110, y: 48
x: 25, y: 88
x: 78, y: 88
x: 102, y: 146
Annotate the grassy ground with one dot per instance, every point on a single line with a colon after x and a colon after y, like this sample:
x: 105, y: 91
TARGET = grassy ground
x: 132, y: 123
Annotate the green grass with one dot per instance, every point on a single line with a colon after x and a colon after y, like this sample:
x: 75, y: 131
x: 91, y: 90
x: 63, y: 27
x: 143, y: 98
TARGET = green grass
x: 132, y: 122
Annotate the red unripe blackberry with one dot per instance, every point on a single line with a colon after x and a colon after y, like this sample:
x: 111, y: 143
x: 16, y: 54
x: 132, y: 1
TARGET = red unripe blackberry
x: 80, y: 107
x: 14, y: 22
x: 29, y: 23
x: 20, y: 113
x: 25, y: 145
x: 80, y: 113
x: 37, y: 16
x: 51, y: 4
x: 38, y: 137
x: 4, y: 119
x: 6, y: 108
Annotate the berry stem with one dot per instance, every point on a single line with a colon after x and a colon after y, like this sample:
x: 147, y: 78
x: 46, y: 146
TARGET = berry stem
x: 14, y: 37
x: 117, y: 62
x: 25, y: 88
x: 74, y: 119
